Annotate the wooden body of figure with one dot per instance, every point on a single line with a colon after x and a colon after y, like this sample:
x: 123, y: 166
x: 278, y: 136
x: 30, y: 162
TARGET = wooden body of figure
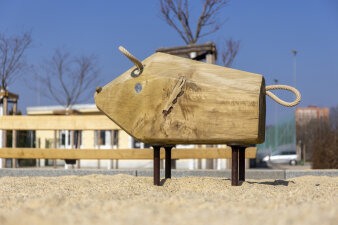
x: 167, y: 100
x: 180, y: 101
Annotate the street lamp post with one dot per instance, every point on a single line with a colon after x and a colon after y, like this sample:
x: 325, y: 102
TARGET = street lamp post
x: 276, y: 118
x: 294, y: 52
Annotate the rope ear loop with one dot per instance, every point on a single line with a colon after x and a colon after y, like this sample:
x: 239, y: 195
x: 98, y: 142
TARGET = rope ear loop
x: 132, y: 58
x: 283, y: 87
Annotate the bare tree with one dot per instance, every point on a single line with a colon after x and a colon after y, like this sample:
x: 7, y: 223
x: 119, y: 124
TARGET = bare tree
x: 177, y: 15
x: 334, y: 117
x: 325, y: 149
x: 67, y: 79
x: 12, y: 60
x: 320, y: 137
x: 230, y: 52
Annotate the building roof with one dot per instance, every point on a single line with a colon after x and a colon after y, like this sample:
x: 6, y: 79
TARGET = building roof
x: 9, y: 95
x: 184, y: 51
x: 49, y: 110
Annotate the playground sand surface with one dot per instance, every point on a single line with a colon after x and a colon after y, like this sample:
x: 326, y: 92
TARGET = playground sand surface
x: 124, y: 199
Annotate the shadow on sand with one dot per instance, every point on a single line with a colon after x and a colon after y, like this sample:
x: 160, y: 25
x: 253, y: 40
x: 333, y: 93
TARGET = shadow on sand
x: 273, y: 183
x: 162, y: 182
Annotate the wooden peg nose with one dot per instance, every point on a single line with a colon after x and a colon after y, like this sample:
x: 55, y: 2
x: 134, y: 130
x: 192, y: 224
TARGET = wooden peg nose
x: 98, y: 89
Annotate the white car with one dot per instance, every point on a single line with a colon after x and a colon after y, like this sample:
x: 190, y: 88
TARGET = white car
x: 285, y: 156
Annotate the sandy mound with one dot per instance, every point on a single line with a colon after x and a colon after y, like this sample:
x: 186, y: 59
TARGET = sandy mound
x: 123, y: 199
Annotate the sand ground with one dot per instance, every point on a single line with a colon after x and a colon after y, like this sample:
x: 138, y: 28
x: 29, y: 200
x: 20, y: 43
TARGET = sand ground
x: 123, y: 199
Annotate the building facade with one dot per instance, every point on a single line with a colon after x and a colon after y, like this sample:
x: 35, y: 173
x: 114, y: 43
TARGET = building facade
x: 104, y: 139
x: 306, y: 114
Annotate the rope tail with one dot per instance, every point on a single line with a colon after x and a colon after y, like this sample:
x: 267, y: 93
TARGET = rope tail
x: 283, y: 87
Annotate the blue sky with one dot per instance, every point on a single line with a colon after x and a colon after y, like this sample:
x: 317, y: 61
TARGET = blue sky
x: 268, y: 30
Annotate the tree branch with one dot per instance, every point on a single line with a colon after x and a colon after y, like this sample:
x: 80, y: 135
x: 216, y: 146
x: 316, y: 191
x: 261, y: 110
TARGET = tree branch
x: 176, y: 14
x: 72, y: 75
x: 12, y: 61
x: 230, y: 52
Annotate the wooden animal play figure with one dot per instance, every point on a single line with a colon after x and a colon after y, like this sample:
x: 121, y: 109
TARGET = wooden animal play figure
x: 167, y: 100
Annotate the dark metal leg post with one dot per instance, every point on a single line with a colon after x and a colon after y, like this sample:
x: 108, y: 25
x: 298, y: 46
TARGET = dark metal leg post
x: 242, y: 163
x: 234, y: 169
x: 168, y: 162
x: 157, y: 165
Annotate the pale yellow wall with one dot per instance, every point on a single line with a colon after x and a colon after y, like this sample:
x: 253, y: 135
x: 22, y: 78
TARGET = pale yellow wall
x: 44, y: 135
x: 123, y: 139
x: 88, y: 139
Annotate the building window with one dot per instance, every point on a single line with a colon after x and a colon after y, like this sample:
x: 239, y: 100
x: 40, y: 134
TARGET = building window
x: 78, y: 138
x: 138, y: 144
x: 146, y: 145
x: 63, y: 139
x: 66, y: 138
x: 116, y: 138
x: 103, y: 139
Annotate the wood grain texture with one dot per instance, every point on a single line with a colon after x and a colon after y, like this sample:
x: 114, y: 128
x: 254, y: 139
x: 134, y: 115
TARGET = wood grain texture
x: 95, y: 122
x: 51, y: 153
x: 208, y: 104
